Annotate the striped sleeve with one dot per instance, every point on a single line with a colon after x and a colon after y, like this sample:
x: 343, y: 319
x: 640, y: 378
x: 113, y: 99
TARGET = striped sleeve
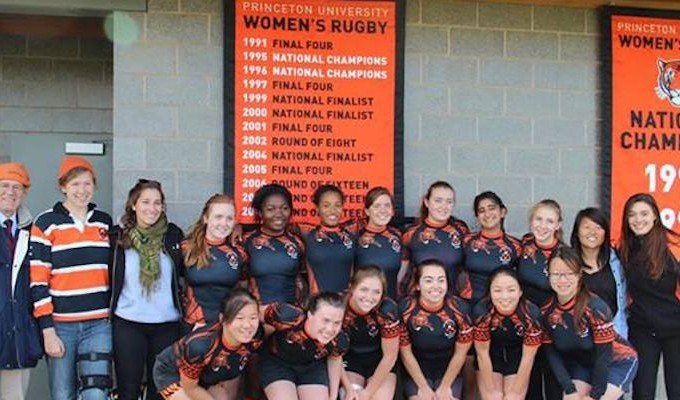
x: 40, y: 272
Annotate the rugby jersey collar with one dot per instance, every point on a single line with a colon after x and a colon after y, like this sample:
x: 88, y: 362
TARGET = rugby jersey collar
x: 59, y: 207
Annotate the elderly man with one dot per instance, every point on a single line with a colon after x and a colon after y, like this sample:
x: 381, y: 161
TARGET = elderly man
x: 20, y: 347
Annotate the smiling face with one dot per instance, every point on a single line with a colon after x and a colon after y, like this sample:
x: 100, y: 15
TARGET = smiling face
x: 545, y: 222
x: 380, y: 213
x: 432, y: 284
x: 564, y: 279
x: 219, y: 222
x: 244, y: 326
x: 11, y: 195
x: 330, y: 208
x: 505, y: 293
x: 590, y: 234
x: 367, y: 294
x: 641, y: 218
x: 440, y: 204
x: 275, y: 213
x: 490, y: 215
x: 78, y: 191
x: 148, y: 207
x: 325, y: 323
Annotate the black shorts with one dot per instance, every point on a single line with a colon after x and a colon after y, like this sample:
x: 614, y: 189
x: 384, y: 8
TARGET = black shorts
x: 364, y: 364
x: 274, y: 369
x: 434, y: 372
x: 620, y: 373
x: 504, y: 360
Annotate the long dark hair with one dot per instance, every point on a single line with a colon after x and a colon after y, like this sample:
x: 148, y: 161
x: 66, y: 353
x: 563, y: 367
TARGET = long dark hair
x: 597, y: 216
x: 572, y: 259
x: 424, y: 212
x: 655, y: 243
x: 129, y: 219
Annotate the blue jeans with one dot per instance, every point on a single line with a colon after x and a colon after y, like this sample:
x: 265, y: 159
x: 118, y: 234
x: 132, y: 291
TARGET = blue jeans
x: 80, y: 338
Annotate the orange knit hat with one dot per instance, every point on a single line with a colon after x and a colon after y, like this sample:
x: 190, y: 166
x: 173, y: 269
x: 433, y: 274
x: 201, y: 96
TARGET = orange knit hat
x: 15, y: 172
x: 71, y: 162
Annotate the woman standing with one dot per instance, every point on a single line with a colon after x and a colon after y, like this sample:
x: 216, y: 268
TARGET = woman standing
x: 145, y: 282
x: 213, y: 265
x: 603, y: 274
x: 377, y: 243
x: 589, y: 359
x: 545, y: 222
x: 373, y: 325
x: 20, y: 347
x: 302, y: 359
x: 436, y: 337
x: 329, y: 247
x: 208, y: 363
x: 70, y: 286
x: 650, y: 253
x: 490, y: 248
x: 507, y: 337
x: 276, y: 254
x: 438, y: 235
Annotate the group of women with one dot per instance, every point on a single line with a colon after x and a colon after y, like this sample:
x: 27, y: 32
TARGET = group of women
x: 346, y: 307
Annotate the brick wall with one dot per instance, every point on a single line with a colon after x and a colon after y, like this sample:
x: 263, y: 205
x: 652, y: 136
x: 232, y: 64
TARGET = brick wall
x: 168, y: 103
x: 500, y: 97
x: 55, y: 85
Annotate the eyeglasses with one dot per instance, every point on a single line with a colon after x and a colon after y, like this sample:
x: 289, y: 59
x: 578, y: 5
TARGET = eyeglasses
x: 560, y: 275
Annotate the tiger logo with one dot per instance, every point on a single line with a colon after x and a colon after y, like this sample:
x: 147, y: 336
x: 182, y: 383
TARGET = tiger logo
x: 667, y: 85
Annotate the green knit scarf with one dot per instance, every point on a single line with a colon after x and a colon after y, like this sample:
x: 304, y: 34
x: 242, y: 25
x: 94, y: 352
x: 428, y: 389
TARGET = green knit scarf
x: 149, y: 243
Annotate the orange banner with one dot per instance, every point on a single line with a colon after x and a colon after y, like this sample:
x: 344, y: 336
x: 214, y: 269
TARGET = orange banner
x: 314, y: 99
x: 645, y: 114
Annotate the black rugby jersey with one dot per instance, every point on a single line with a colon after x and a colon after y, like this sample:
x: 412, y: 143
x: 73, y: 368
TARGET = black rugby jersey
x: 523, y: 327
x: 433, y: 333
x: 367, y: 330
x: 532, y: 269
x: 442, y: 242
x: 595, y: 347
x: 276, y: 263
x: 291, y: 343
x: 202, y: 355
x: 329, y: 253
x: 380, y: 247
x: 208, y: 286
x: 484, y: 253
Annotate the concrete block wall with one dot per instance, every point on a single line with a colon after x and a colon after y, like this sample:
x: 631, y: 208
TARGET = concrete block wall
x: 54, y: 85
x: 502, y: 97
x: 497, y: 97
x: 168, y: 103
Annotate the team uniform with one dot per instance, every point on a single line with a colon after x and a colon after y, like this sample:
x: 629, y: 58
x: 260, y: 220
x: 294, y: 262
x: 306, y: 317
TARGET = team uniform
x: 276, y: 263
x: 366, y: 332
x: 329, y: 253
x: 507, y: 334
x: 290, y: 354
x: 532, y: 269
x: 432, y: 335
x: 597, y: 355
x: 484, y: 253
x: 381, y: 247
x: 208, y: 286
x: 202, y: 355
x: 442, y: 242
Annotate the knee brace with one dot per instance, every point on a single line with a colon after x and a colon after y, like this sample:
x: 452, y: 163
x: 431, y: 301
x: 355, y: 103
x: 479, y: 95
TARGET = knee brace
x: 94, y: 371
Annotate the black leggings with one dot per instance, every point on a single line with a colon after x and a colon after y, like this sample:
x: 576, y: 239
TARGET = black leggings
x: 650, y: 348
x: 542, y: 383
x: 135, y: 346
